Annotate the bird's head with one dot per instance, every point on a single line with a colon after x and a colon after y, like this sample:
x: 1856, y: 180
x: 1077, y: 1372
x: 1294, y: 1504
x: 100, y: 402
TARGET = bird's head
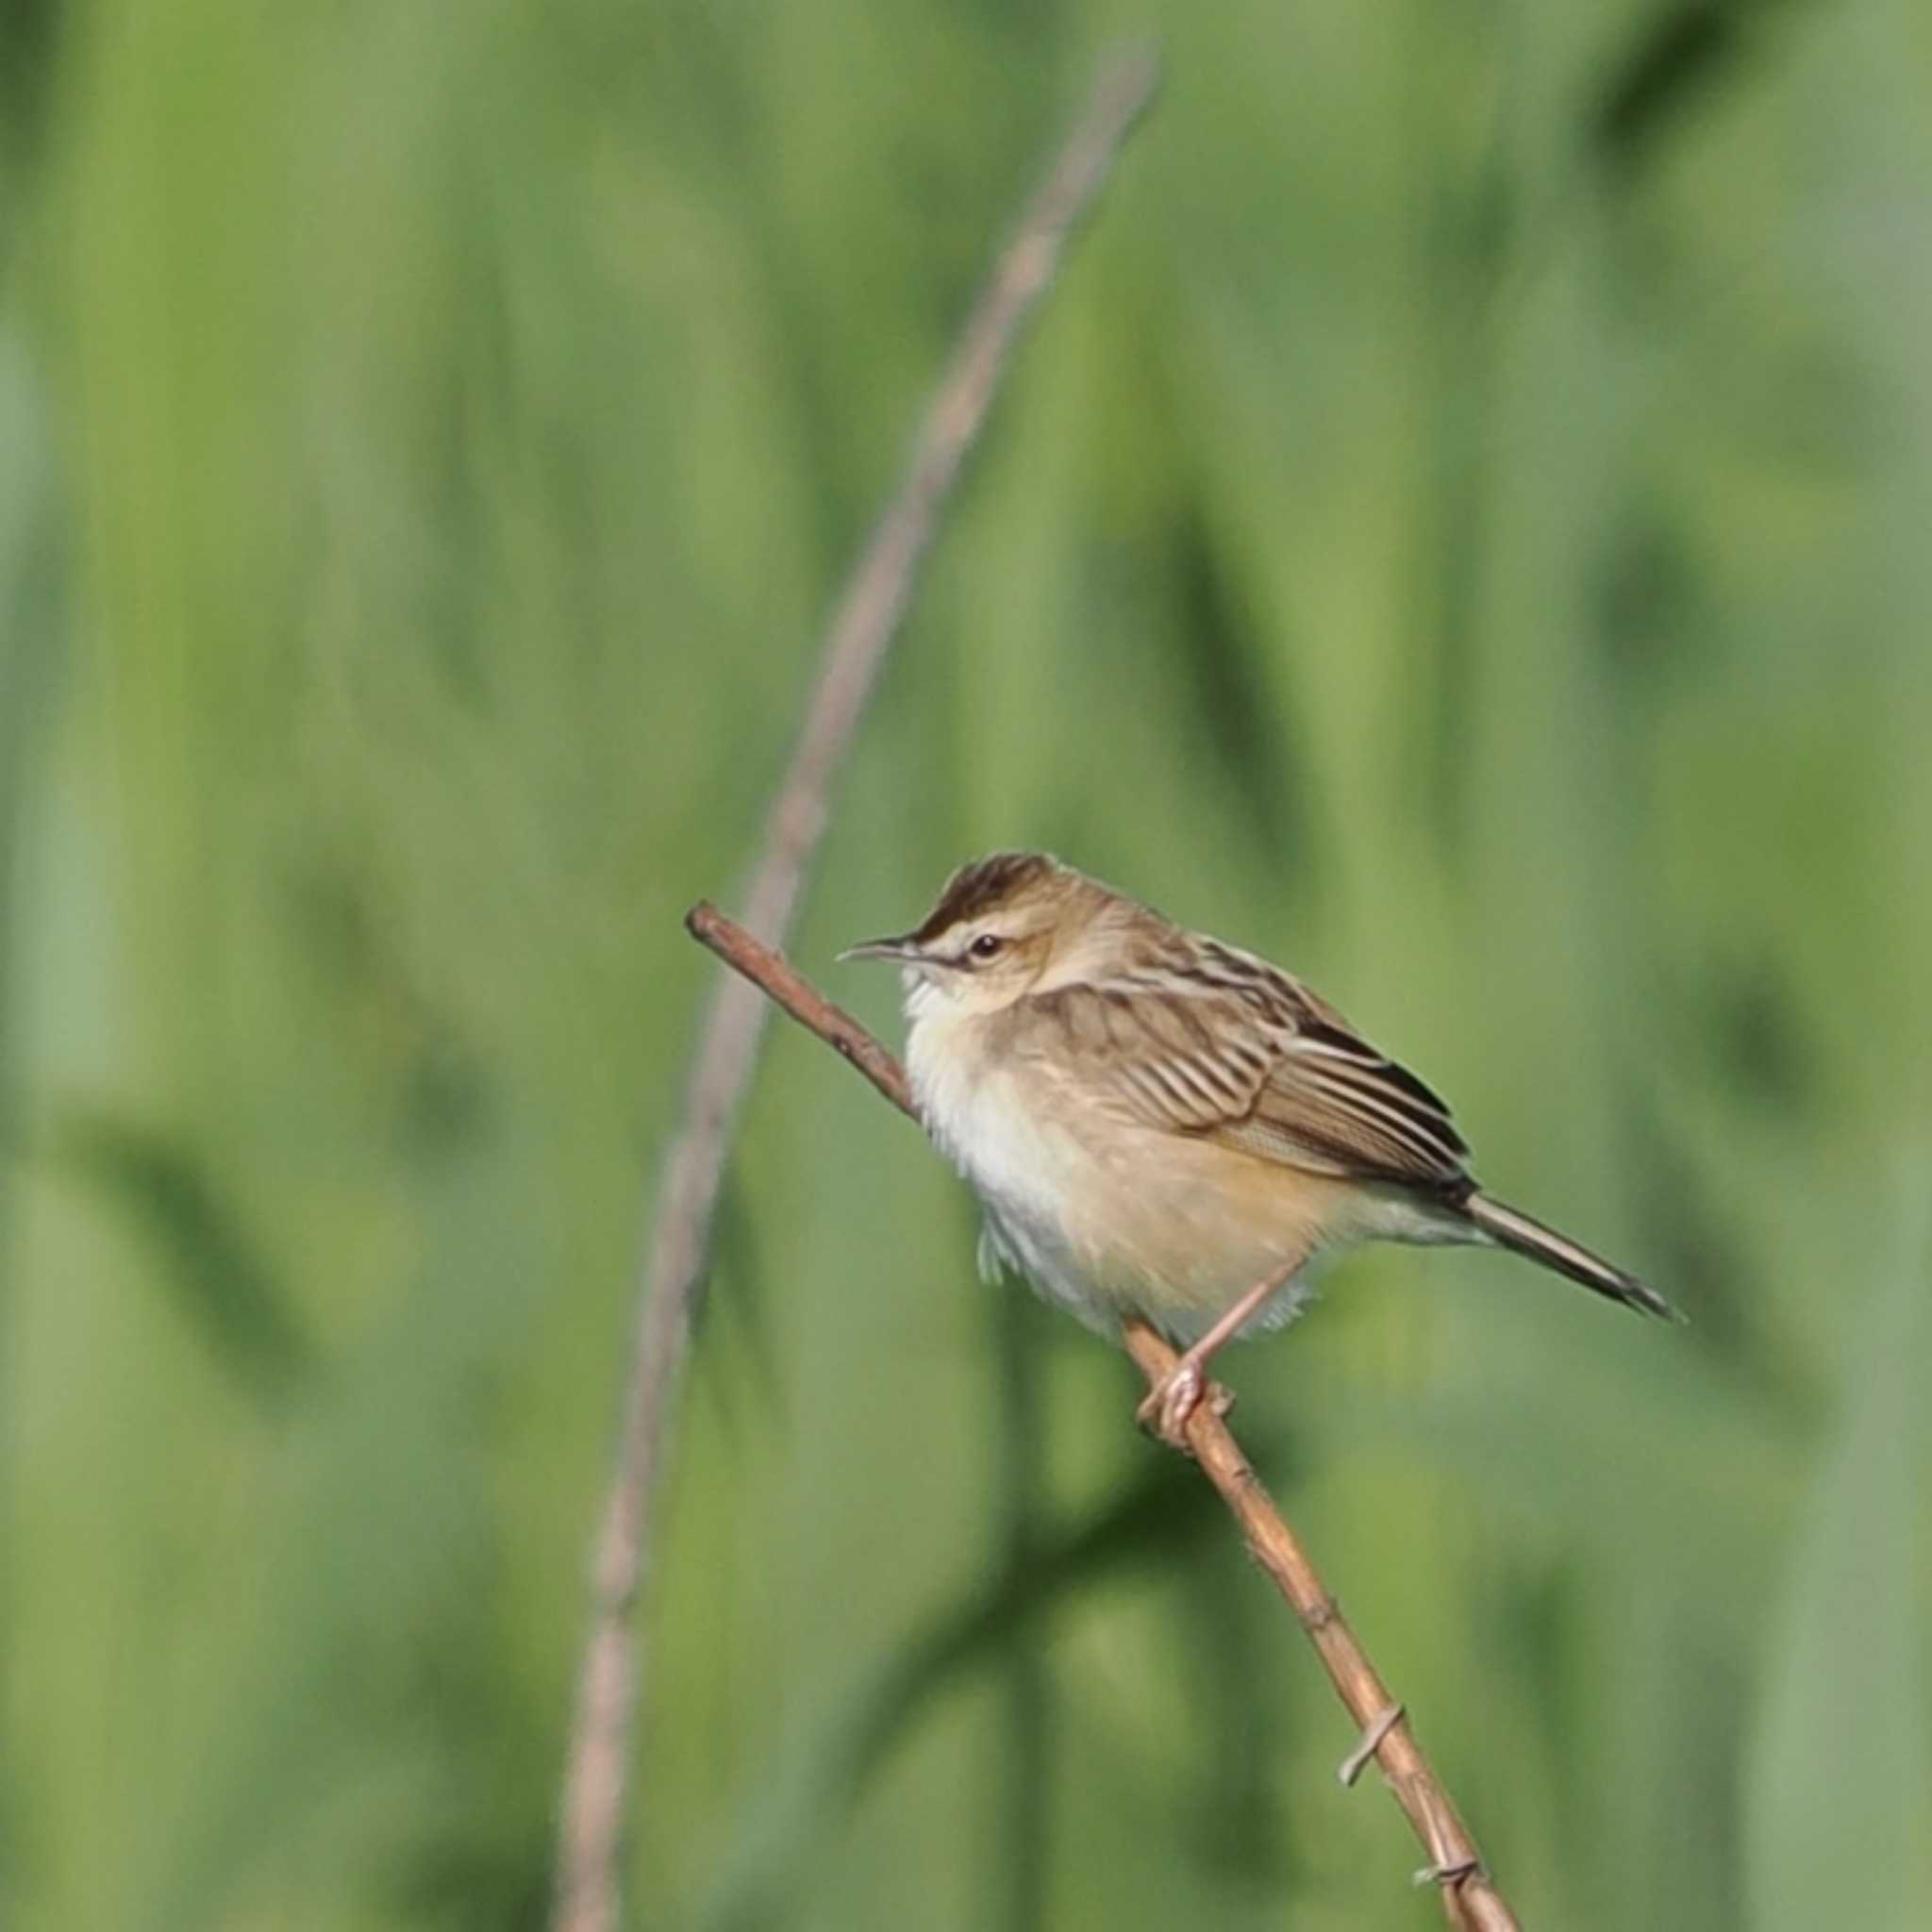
x: 997, y: 928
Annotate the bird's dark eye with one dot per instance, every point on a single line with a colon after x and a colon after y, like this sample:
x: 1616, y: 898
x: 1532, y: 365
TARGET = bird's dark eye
x: 986, y: 946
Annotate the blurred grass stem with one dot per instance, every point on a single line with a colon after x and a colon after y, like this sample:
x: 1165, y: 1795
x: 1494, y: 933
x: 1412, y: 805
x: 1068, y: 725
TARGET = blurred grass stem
x: 860, y: 631
x: 1469, y: 1897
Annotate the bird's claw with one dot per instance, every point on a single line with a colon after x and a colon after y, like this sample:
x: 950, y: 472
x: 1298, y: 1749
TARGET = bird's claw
x: 1169, y: 1405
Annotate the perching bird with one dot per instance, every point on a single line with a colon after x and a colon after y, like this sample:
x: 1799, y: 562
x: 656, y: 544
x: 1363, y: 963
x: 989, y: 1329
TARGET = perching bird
x: 1163, y: 1125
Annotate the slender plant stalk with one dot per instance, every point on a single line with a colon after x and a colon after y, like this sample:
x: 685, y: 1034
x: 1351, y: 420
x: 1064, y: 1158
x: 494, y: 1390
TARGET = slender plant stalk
x: 862, y: 627
x: 1470, y: 1898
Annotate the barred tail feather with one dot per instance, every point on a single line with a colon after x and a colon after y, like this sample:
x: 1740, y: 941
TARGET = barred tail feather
x: 1511, y: 1229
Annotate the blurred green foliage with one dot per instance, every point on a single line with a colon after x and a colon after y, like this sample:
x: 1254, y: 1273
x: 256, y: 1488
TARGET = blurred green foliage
x: 1461, y: 526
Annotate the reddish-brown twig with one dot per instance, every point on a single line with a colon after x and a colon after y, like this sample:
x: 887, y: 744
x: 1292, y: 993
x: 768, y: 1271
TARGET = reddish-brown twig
x: 862, y: 629
x: 1470, y: 1898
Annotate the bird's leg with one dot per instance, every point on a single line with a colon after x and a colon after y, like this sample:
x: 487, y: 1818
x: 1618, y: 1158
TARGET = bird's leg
x: 1180, y: 1392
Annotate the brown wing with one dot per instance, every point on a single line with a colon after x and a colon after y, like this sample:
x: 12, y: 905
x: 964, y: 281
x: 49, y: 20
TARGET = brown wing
x: 1220, y: 1044
x: 1335, y: 1101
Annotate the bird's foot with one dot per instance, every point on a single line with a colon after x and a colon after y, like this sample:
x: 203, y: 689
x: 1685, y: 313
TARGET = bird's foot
x: 1168, y: 1405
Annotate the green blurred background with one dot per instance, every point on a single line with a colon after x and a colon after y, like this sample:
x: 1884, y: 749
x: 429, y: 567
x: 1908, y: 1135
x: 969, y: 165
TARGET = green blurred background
x: 1461, y: 526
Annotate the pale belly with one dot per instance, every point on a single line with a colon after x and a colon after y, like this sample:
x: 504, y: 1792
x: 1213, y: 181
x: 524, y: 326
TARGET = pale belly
x: 1107, y: 1219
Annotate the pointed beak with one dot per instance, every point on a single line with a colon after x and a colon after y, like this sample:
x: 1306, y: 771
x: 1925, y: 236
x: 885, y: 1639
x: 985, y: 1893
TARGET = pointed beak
x: 900, y: 948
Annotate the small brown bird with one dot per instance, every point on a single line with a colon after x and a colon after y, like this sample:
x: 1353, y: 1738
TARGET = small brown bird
x: 1160, y: 1125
